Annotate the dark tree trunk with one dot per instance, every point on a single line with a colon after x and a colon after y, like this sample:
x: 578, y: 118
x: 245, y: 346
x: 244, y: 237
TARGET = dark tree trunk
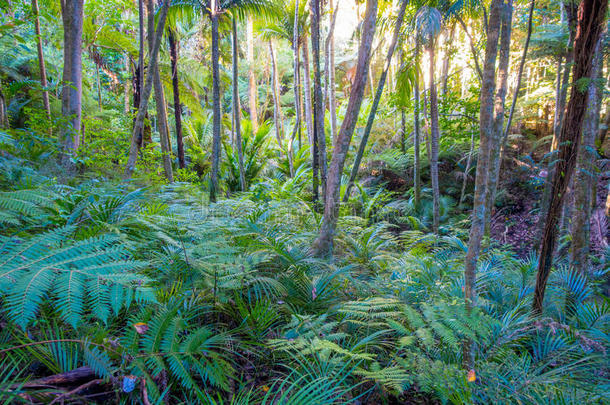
x: 173, y: 51
x: 236, y: 110
x: 324, y: 244
x: 434, y: 138
x: 417, y: 133
x: 41, y: 64
x: 591, y: 18
x: 318, y: 100
x: 216, y: 128
x: 371, y: 118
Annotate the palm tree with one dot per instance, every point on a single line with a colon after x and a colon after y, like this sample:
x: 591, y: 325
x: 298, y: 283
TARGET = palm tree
x: 173, y: 40
x: 41, y: 64
x: 318, y: 101
x: 428, y: 20
x: 236, y: 108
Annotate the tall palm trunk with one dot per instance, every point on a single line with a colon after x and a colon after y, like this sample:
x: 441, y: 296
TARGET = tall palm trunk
x: 160, y: 104
x: 145, y: 95
x: 498, y: 126
x: 72, y: 15
x: 252, y: 89
x: 324, y: 243
x: 173, y: 51
x: 376, y: 100
x: 434, y: 137
x: 417, y: 132
x: 477, y: 227
x: 311, y: 135
x: 318, y: 101
x: 41, y: 64
x: 591, y: 17
x: 296, y: 84
x: 236, y: 110
x: 216, y: 128
x: 585, y: 178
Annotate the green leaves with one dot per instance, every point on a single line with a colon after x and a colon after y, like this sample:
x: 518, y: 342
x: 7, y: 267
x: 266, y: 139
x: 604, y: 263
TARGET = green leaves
x: 94, y: 274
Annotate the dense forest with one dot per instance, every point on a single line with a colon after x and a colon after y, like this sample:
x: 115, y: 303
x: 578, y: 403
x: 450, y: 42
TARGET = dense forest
x: 304, y: 202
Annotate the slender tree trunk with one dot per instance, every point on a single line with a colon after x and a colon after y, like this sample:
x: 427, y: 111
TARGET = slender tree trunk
x: 447, y: 59
x: 434, y: 137
x: 277, y: 112
x: 498, y: 126
x: 160, y: 103
x: 173, y: 51
x: 252, y: 89
x: 139, y: 88
x: 309, y: 120
x: 324, y: 244
x: 318, y: 98
x: 236, y: 110
x: 72, y: 15
x: 467, y: 169
x: 3, y: 112
x: 475, y: 54
x: 216, y: 128
x: 486, y: 117
x: 585, y: 178
x: 145, y: 96
x: 417, y: 133
x: 591, y: 21
x: 376, y: 100
x: 126, y: 90
x: 332, y: 100
x: 519, y: 77
x: 296, y: 84
x: 41, y: 64
x: 99, y: 86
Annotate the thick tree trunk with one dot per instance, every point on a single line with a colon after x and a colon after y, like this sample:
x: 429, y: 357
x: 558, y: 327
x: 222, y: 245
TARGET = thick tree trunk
x: 498, y: 126
x: 145, y: 96
x: 318, y: 100
x: 376, y: 100
x: 41, y: 64
x: 160, y: 103
x: 324, y: 244
x: 216, y: 117
x: 585, y: 178
x: 591, y: 19
x: 252, y: 89
x: 173, y: 51
x: 72, y: 91
x: 236, y: 110
x: 434, y: 137
x: 486, y: 117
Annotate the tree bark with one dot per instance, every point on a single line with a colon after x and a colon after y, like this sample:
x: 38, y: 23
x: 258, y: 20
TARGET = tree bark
x: 434, y: 137
x: 72, y: 91
x: 126, y: 90
x: 378, y: 93
x: 160, y: 104
x: 145, y: 96
x: 499, y: 109
x: 477, y: 227
x: 236, y: 110
x: 585, y: 178
x: 173, y: 51
x: 216, y: 117
x: 324, y: 244
x: 330, y: 72
x: 318, y: 100
x: 296, y: 86
x: 309, y: 120
x: 591, y: 19
x: 252, y: 89
x: 41, y: 64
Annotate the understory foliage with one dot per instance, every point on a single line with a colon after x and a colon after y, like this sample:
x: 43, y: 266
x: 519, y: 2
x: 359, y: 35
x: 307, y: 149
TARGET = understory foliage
x: 158, y: 292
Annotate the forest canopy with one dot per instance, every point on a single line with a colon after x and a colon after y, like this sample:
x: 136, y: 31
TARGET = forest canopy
x: 304, y: 202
